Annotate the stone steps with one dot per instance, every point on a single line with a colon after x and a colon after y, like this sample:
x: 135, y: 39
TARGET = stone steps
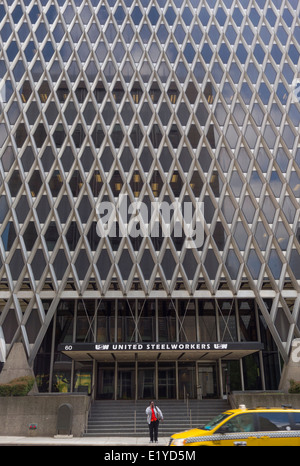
x: 128, y: 418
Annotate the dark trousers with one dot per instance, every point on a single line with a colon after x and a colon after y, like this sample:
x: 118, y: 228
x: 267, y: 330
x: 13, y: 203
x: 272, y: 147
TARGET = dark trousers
x: 153, y: 430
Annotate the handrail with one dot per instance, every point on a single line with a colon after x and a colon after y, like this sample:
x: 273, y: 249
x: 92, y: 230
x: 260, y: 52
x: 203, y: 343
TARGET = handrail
x: 93, y: 391
x: 187, y: 401
x: 186, y: 398
x: 134, y: 420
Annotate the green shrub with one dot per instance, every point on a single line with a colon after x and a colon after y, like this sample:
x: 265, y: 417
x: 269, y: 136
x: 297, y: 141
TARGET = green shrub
x: 294, y: 386
x: 17, y: 387
x: 5, y: 389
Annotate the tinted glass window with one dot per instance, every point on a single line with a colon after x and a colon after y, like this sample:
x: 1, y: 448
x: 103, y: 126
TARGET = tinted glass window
x: 240, y: 423
x: 296, y: 421
x: 274, y: 421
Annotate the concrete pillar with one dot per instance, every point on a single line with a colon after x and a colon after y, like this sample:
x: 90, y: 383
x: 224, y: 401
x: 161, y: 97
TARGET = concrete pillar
x: 16, y: 365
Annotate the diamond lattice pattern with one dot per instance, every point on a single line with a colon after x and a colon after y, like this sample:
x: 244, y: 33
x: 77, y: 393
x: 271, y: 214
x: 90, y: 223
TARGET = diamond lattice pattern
x: 163, y: 100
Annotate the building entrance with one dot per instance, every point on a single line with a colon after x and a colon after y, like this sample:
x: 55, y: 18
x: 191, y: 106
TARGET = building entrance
x: 136, y: 371
x: 195, y: 348
x: 126, y: 382
x: 167, y: 381
x: 207, y: 381
x: 106, y: 382
x: 172, y: 380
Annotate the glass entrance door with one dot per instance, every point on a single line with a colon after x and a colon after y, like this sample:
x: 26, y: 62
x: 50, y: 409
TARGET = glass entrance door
x: 106, y: 382
x: 186, y: 380
x: 207, y: 381
x: 146, y: 381
x: 126, y: 382
x: 150, y: 380
x: 167, y: 381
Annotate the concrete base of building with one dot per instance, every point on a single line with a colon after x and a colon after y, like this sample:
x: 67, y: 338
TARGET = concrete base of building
x: 275, y: 399
x: 37, y: 415
x: 16, y: 366
x: 34, y: 419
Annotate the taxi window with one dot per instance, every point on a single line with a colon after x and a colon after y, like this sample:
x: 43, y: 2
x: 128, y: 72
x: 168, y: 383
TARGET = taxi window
x: 239, y: 423
x: 296, y: 421
x: 274, y: 421
x: 216, y: 420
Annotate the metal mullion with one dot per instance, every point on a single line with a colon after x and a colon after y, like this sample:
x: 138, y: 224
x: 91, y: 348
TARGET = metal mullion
x: 92, y: 10
x: 138, y: 317
x: 266, y: 315
x: 195, y: 281
x: 237, y: 318
x: 181, y: 321
x: 73, y: 255
x: 177, y: 268
x: 116, y: 260
x: 128, y: 20
x: 142, y: 280
x: 27, y: 313
x: 160, y: 272
x: 232, y: 284
x: 147, y: 242
x: 212, y: 246
x: 286, y: 309
x: 6, y: 309
x: 189, y: 283
x: 255, y: 203
x: 8, y: 257
x: 19, y: 317
x: 296, y: 310
x: 90, y: 320
x: 84, y: 27
x: 207, y: 280
x: 133, y: 313
x: 131, y: 252
x: 94, y: 270
x: 226, y: 321
x: 68, y: 26
x: 108, y: 280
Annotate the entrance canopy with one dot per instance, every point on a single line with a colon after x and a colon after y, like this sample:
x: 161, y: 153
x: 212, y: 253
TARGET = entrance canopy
x: 109, y: 352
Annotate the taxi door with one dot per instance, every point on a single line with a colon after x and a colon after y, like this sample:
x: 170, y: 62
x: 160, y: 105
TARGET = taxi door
x: 238, y: 431
x: 276, y: 429
x: 228, y: 441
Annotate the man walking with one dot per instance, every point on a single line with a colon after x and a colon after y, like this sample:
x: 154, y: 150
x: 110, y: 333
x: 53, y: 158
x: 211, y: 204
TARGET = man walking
x: 154, y: 415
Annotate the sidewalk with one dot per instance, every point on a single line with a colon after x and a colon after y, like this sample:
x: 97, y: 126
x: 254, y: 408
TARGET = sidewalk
x: 82, y: 441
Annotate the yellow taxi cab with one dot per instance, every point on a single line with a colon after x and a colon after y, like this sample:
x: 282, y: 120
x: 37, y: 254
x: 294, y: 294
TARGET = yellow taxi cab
x: 246, y: 427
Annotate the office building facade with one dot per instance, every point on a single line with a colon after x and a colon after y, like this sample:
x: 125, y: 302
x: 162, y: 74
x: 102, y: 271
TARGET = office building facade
x: 149, y: 198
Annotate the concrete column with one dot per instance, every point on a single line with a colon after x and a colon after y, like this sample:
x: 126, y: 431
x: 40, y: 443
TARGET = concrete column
x: 16, y: 365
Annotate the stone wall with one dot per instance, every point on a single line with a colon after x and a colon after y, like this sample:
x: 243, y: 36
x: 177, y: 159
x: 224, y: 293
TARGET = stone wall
x: 264, y: 399
x: 18, y: 413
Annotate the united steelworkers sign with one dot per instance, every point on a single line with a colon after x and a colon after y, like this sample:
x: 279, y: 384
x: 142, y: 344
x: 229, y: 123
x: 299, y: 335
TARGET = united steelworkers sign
x: 111, y: 347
